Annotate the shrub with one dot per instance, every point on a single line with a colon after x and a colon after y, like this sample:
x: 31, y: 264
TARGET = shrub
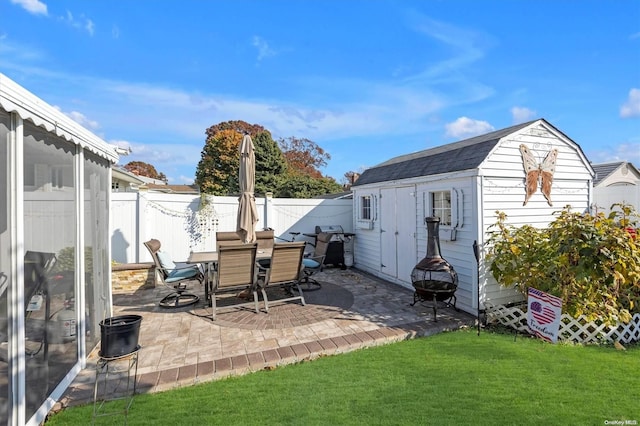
x: 591, y: 262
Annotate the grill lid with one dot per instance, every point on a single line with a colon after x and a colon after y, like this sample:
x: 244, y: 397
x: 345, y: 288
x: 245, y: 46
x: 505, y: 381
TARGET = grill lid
x: 332, y: 229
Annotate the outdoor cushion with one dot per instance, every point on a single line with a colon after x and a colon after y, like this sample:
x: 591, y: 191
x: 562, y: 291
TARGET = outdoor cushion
x: 310, y: 263
x: 165, y: 261
x: 181, y: 274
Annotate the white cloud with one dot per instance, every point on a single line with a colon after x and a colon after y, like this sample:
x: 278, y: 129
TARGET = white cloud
x: 121, y: 143
x: 81, y: 23
x: 466, y: 46
x: 186, y: 180
x: 522, y: 114
x: 32, y: 6
x: 624, y: 151
x: 631, y: 108
x: 39, y: 8
x: 89, y: 26
x: 467, y: 127
x: 385, y: 109
x: 628, y: 152
x: 264, y: 50
x: 81, y: 119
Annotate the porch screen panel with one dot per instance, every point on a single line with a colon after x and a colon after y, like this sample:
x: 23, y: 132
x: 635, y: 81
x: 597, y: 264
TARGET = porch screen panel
x: 5, y: 262
x: 49, y: 244
x: 96, y: 172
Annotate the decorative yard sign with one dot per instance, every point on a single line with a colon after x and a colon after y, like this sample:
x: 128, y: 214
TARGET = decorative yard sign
x: 543, y: 314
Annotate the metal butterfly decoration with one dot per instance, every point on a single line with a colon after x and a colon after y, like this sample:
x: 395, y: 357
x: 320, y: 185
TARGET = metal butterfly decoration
x: 538, y: 173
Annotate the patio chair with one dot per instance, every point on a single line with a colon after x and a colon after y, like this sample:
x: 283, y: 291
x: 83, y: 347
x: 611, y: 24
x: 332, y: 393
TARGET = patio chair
x: 227, y: 237
x: 285, y: 271
x: 236, y: 273
x: 315, y: 262
x: 175, y: 276
x: 265, y: 239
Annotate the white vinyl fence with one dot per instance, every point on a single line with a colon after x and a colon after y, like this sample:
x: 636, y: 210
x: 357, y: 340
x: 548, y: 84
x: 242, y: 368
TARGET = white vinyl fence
x: 185, y: 223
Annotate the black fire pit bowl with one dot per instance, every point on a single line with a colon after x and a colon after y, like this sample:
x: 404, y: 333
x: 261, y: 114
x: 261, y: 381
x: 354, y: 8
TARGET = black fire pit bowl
x: 439, y: 292
x: 119, y: 335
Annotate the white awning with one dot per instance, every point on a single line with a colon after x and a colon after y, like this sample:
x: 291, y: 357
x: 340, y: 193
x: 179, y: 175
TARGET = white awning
x: 15, y: 98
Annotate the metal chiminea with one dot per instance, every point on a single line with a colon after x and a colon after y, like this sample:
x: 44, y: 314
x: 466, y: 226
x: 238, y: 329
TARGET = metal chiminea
x: 433, y: 278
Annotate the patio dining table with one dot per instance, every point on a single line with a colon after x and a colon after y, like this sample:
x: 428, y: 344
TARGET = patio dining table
x: 209, y: 260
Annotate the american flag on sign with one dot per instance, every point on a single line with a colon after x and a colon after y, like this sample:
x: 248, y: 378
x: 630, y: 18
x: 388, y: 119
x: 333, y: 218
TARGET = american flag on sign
x: 543, y: 314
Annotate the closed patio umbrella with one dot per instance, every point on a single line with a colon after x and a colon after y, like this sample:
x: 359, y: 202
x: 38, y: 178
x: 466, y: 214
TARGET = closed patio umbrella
x: 247, y: 212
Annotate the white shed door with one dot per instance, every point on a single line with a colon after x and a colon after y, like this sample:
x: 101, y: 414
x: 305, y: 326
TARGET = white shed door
x: 398, y: 232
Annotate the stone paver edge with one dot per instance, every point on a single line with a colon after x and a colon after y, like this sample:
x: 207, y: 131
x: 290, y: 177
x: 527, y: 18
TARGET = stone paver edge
x: 173, y: 378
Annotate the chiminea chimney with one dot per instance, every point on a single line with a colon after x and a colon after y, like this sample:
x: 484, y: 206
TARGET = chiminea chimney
x: 433, y: 278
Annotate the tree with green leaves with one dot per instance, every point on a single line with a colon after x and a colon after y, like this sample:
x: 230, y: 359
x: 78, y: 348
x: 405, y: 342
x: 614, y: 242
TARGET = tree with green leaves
x: 299, y: 186
x: 271, y: 165
x: 293, y: 174
x: 217, y: 171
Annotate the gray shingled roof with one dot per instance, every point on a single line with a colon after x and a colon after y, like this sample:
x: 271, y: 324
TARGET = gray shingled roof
x: 605, y: 169
x: 462, y: 155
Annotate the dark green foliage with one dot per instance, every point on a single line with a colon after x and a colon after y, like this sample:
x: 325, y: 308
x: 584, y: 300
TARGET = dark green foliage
x: 270, y: 164
x: 300, y: 186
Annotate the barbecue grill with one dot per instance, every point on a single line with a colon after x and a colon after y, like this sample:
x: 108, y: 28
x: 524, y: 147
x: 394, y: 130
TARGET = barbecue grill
x: 335, y: 250
x: 433, y: 278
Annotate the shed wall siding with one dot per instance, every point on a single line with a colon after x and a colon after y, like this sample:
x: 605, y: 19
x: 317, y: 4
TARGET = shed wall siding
x: 503, y: 190
x: 459, y: 252
x: 367, y: 242
x: 497, y: 185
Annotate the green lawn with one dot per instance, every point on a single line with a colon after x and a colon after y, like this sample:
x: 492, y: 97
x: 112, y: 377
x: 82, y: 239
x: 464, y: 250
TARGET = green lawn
x: 451, y: 378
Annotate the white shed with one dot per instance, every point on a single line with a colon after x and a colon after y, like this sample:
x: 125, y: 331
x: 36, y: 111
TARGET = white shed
x: 464, y: 183
x: 616, y: 182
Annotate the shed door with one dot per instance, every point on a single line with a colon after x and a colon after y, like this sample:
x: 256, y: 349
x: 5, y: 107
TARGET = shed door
x: 398, y: 232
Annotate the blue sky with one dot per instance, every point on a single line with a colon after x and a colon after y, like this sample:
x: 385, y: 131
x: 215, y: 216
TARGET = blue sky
x: 365, y: 80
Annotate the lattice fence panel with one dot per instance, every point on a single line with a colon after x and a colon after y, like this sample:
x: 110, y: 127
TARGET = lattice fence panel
x: 571, y: 329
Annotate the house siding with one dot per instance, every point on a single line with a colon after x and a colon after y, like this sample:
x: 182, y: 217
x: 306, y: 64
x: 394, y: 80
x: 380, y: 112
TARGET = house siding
x: 620, y: 186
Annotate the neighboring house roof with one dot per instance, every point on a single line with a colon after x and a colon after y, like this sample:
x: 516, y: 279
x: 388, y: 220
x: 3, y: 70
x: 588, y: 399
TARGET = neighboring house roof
x: 605, y: 170
x: 125, y: 175
x: 172, y: 189
x: 462, y: 155
x: 150, y: 180
x: 466, y: 154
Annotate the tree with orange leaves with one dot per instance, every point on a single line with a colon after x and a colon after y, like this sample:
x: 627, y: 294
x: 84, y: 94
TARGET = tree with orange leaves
x: 304, y: 156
